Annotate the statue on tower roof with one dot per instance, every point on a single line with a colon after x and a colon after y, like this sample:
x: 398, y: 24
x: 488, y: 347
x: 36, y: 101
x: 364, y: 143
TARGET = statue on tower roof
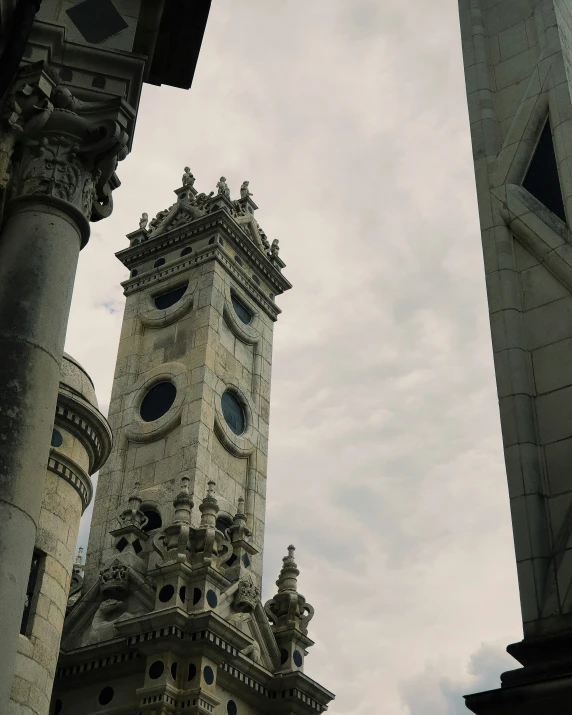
x: 188, y: 178
x: 222, y: 187
x: 244, y: 190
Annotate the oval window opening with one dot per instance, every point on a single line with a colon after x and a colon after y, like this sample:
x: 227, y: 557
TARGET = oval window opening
x: 154, y: 520
x: 166, y: 300
x: 158, y: 401
x: 186, y: 251
x: 159, y: 262
x: 241, y: 310
x: 233, y: 413
x: 57, y: 439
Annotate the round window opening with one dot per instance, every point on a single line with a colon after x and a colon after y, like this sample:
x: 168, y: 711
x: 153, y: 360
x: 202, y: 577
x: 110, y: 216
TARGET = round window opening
x: 106, y: 695
x: 158, y: 401
x: 154, y: 520
x: 241, y: 310
x: 233, y: 412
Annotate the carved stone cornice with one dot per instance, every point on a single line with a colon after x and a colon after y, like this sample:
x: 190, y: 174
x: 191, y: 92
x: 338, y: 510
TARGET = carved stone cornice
x: 65, y: 150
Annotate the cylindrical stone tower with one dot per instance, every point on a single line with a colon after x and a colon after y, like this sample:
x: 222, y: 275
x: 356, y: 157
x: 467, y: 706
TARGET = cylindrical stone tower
x: 81, y: 442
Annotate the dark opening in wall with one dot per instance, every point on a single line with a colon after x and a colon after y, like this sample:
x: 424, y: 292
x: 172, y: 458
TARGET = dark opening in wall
x: 155, y: 521
x: 166, y: 300
x: 542, y: 178
x: 106, y: 695
x: 30, y: 592
x: 159, y: 262
x: 233, y: 412
x: 57, y: 439
x: 186, y: 251
x: 241, y: 310
x: 158, y: 401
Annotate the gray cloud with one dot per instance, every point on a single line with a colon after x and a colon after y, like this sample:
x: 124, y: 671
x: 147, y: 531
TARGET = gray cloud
x: 385, y: 469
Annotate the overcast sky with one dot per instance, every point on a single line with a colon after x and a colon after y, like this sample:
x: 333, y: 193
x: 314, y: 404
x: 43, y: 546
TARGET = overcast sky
x: 349, y: 119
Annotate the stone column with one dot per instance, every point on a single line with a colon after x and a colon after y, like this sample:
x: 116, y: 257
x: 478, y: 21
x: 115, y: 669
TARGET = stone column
x: 62, y: 172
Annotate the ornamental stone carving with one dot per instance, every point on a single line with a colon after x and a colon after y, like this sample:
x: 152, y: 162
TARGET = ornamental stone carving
x: 66, y: 150
x: 246, y: 596
x: 288, y: 609
x: 188, y: 178
x: 244, y: 190
x: 222, y: 187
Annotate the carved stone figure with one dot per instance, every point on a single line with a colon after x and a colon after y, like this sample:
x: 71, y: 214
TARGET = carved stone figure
x: 253, y: 652
x: 274, y: 248
x: 143, y: 220
x: 222, y: 187
x: 244, y: 190
x: 246, y: 596
x: 188, y: 178
x: 103, y: 625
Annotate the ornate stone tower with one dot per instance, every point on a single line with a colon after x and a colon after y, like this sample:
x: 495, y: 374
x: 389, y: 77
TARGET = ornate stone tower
x: 518, y: 67
x: 170, y: 618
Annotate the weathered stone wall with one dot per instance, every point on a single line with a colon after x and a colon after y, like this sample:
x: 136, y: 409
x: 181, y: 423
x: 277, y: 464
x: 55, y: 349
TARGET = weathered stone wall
x: 38, y: 650
x: 201, y: 346
x: 517, y: 67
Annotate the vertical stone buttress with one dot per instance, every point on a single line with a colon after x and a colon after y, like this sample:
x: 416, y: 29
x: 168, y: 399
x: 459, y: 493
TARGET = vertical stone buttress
x: 81, y: 441
x: 518, y: 69
x: 170, y: 618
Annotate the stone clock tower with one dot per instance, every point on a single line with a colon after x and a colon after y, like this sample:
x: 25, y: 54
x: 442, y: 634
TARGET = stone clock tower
x: 169, y: 619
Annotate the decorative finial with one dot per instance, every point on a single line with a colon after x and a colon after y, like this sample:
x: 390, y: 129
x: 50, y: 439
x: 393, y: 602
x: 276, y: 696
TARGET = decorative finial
x: 209, y: 507
x: 222, y: 188
x: 183, y: 502
x: 244, y: 190
x: 143, y: 221
x: 188, y: 178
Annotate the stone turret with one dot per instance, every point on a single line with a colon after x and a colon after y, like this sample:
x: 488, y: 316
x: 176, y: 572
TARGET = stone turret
x: 81, y: 442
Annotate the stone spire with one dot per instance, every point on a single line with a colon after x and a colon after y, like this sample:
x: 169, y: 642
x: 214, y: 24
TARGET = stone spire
x: 290, y: 614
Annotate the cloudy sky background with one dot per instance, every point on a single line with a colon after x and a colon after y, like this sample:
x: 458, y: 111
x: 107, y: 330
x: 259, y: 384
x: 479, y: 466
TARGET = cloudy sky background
x: 349, y: 119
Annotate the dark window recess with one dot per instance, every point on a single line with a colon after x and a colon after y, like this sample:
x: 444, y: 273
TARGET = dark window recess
x: 134, y: 273
x: 212, y: 599
x: 233, y: 412
x: 256, y: 279
x: 156, y: 669
x: 57, y: 439
x: 223, y: 522
x: 298, y: 659
x: 122, y: 544
x: 238, y: 259
x: 245, y: 560
x: 208, y: 675
x: 159, y: 262
x: 166, y: 300
x: 174, y: 671
x: 137, y: 546
x: 192, y: 671
x: 542, y: 178
x: 283, y: 656
x: 186, y: 251
x: 58, y: 707
x: 155, y: 521
x: 97, y: 20
x: 220, y: 241
x: 98, y: 81
x: 212, y: 240
x: 106, y: 695
x: 197, y: 593
x: 158, y: 401
x: 166, y: 593
x: 231, y: 708
x: 32, y: 579
x: 183, y: 593
x: 66, y: 74
x: 231, y: 560
x: 241, y: 310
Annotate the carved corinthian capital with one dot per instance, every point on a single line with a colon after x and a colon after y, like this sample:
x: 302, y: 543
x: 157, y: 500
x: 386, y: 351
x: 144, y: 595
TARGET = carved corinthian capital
x: 65, y: 150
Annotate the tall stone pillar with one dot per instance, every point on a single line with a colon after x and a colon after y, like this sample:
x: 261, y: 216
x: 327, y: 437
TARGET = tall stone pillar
x: 518, y: 68
x: 63, y: 155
